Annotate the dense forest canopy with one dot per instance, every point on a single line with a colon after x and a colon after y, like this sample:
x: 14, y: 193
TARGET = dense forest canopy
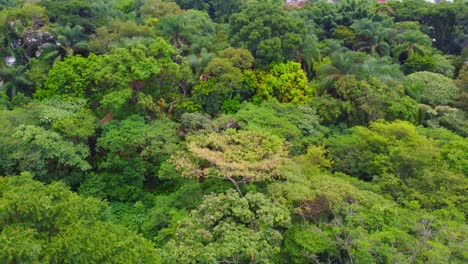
x: 233, y: 131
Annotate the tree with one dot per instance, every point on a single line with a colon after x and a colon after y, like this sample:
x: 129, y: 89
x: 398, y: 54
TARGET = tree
x: 71, y: 40
x: 411, y: 42
x: 374, y: 37
x: 338, y: 65
x: 381, y: 68
x: 110, y: 81
x: 222, y: 84
x: 70, y: 118
x: 372, y: 100
x: 158, y: 9
x: 49, y: 139
x: 46, y: 153
x: 354, y: 10
x: 309, y: 54
x: 240, y: 58
x: 133, y: 152
x: 298, y: 125
x: 23, y: 30
x: 106, y: 37
x: 74, y: 12
x: 73, y: 76
x: 346, y: 34
x: 49, y: 223
x: 220, y: 11
x: 230, y: 228
x: 431, y: 88
x: 248, y: 155
x: 268, y: 32
x: 14, y: 80
x: 385, y: 156
x: 323, y: 16
x: 286, y: 82
x: 190, y: 31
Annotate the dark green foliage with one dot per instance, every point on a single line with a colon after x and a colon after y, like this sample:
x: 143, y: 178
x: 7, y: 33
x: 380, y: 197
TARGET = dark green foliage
x: 74, y: 12
x: 132, y: 152
x: 52, y: 224
x: 267, y: 31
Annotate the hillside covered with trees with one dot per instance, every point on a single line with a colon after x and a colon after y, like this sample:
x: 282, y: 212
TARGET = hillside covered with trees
x: 233, y: 131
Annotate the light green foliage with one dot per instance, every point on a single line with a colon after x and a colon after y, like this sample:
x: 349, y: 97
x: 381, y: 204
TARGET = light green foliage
x: 228, y: 227
x: 115, y: 78
x: 443, y: 66
x: 431, y: 88
x: 452, y: 147
x: 74, y: 76
x: 39, y: 148
x: 372, y: 100
x: 286, y: 82
x: 295, y: 124
x: 354, y: 224
x: 224, y: 71
x: 383, y: 147
x: 124, y: 67
x: 34, y: 139
x: 304, y: 243
x: 70, y: 118
x: 404, y: 162
x: 444, y: 116
x: 49, y: 223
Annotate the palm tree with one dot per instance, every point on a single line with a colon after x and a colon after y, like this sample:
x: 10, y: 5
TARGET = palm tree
x: 342, y: 63
x: 199, y: 61
x: 308, y: 53
x: 381, y: 68
x: 175, y: 26
x: 410, y: 42
x: 13, y: 80
x: 8, y: 3
x: 374, y: 37
x: 69, y: 40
